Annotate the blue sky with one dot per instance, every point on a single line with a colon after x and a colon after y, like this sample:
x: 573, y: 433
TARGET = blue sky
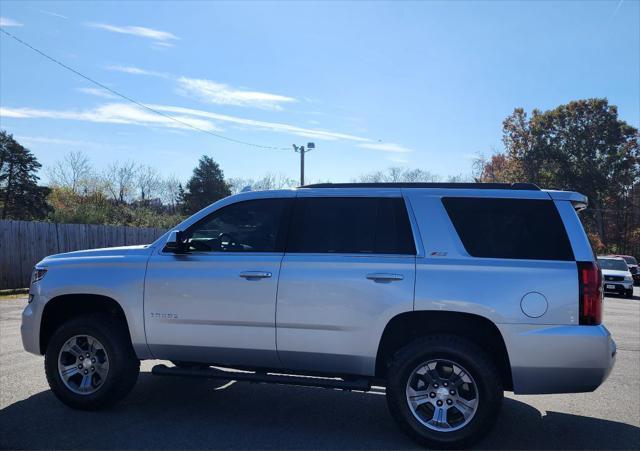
x: 416, y: 84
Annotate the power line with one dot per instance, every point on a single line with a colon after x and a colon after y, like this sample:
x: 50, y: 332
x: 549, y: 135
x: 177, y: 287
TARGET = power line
x: 135, y: 102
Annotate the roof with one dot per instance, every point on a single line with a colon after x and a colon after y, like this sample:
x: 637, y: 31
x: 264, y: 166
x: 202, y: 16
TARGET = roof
x: 507, y: 186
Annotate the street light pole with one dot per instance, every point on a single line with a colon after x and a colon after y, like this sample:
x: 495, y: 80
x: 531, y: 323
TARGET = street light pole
x: 302, y: 151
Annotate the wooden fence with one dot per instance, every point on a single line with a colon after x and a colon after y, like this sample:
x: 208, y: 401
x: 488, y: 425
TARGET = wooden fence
x: 24, y: 243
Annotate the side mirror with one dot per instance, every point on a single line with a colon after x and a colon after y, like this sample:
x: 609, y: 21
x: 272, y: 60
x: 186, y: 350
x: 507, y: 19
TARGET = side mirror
x: 175, y: 243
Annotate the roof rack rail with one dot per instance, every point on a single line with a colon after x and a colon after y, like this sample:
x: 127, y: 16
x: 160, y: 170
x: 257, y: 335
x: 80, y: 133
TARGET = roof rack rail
x: 512, y: 186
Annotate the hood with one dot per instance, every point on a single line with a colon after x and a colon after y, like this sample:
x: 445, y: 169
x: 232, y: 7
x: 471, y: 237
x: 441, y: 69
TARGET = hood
x: 103, y: 252
x: 613, y: 272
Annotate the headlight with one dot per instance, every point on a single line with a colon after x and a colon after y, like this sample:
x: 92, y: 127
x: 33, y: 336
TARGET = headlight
x: 38, y: 274
x: 628, y: 279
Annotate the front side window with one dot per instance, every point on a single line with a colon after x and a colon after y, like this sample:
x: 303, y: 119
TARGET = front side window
x: 509, y: 228
x: 350, y: 225
x: 249, y: 226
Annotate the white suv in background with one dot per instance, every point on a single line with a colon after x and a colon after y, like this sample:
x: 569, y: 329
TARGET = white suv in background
x: 446, y: 294
x: 617, y: 277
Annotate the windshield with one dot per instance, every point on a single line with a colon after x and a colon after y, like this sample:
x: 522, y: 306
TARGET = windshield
x: 613, y: 263
x: 630, y: 260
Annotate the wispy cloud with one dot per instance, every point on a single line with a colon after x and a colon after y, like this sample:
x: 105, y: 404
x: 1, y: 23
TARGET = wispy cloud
x: 98, y: 92
x: 112, y: 113
x: 51, y: 13
x: 160, y: 45
x: 263, y: 125
x: 221, y: 94
x: 213, y: 92
x: 137, y: 71
x: 386, y: 147
x: 47, y: 140
x: 6, y: 22
x: 121, y: 113
x: 143, y: 32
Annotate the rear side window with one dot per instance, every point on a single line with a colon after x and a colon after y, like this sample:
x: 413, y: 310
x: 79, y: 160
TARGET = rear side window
x: 509, y: 228
x: 350, y: 225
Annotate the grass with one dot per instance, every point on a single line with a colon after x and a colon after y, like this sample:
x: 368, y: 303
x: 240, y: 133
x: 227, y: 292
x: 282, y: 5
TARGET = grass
x: 16, y: 293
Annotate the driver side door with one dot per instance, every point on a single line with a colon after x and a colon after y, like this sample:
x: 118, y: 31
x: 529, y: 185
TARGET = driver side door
x: 216, y: 303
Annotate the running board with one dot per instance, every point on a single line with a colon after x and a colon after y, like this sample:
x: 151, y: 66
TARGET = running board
x: 361, y: 384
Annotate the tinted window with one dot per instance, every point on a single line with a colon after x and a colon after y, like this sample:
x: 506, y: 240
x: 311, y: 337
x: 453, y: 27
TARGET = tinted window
x: 509, y: 228
x: 351, y: 225
x: 616, y: 264
x: 630, y: 260
x: 250, y: 226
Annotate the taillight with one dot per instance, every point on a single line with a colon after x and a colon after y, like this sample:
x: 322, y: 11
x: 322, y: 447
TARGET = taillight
x: 590, y: 285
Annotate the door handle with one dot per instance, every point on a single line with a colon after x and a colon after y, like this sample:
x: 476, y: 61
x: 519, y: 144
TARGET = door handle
x: 384, y: 277
x: 249, y: 275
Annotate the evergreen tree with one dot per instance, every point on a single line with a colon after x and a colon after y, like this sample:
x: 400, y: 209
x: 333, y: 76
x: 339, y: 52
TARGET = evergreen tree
x: 20, y: 195
x: 205, y: 186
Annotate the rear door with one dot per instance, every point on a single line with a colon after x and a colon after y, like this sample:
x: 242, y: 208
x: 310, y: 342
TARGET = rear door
x: 348, y: 269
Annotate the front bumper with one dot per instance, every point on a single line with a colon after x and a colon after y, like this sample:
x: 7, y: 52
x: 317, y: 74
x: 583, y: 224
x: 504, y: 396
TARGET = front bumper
x: 558, y: 359
x: 617, y: 287
x: 30, y: 327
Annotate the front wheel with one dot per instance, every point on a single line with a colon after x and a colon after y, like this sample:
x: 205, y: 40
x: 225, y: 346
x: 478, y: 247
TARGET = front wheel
x: 444, y: 391
x: 90, y: 363
x: 628, y: 293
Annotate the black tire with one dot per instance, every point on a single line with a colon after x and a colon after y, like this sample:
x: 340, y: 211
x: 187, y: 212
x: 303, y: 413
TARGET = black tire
x: 124, y: 366
x: 628, y: 293
x: 461, y: 352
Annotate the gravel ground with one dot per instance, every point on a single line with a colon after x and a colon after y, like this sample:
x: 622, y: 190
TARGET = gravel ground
x: 175, y: 413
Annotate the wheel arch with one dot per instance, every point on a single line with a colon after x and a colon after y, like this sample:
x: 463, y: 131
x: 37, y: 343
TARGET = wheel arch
x: 408, y: 326
x: 67, y: 306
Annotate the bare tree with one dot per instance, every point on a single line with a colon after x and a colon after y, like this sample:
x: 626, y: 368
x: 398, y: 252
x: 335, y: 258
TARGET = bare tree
x: 73, y: 171
x: 398, y: 174
x: 120, y: 181
x: 171, y: 192
x: 148, y: 182
x: 269, y: 181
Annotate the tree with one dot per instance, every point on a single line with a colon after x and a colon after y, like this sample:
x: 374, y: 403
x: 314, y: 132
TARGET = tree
x: 398, y: 174
x: 171, y: 188
x: 268, y: 182
x: 148, y: 182
x: 20, y: 195
x: 73, y: 172
x: 205, y: 186
x: 581, y: 146
x: 119, y: 181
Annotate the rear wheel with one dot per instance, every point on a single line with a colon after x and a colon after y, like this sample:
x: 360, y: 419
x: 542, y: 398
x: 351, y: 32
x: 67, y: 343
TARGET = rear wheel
x: 90, y: 363
x: 444, y: 391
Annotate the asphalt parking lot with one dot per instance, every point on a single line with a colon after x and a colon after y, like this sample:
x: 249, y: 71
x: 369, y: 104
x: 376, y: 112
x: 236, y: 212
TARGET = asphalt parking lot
x: 174, y: 413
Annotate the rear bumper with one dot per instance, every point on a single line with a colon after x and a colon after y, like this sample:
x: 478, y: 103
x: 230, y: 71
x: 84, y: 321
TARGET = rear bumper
x: 558, y: 359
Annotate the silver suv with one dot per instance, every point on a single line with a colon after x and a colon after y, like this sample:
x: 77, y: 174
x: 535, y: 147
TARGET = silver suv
x: 446, y: 294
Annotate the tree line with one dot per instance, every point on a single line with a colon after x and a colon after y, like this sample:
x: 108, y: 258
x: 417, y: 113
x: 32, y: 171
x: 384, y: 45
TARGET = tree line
x: 581, y: 146
x: 125, y: 193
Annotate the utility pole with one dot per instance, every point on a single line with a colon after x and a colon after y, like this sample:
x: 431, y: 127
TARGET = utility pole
x: 302, y: 151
